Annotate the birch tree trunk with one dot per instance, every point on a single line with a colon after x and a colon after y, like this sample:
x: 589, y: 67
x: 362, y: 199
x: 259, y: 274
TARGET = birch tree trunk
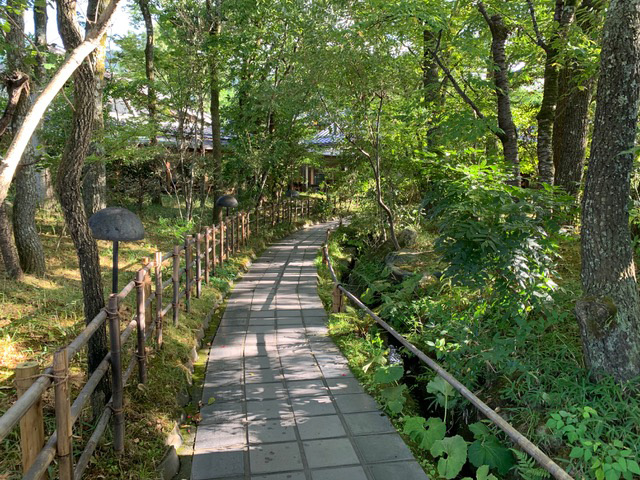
x: 609, y: 313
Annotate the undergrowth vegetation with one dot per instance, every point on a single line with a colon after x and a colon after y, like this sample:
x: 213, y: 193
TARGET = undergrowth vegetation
x: 495, y: 307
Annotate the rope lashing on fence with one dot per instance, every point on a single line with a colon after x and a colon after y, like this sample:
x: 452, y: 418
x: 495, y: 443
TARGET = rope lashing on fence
x: 523, y: 442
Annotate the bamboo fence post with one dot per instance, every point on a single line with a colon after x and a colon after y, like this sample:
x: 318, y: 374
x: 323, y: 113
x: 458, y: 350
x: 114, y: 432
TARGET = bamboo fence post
x: 223, y: 233
x: 308, y: 207
x: 141, y: 318
x: 116, y: 375
x: 207, y: 246
x: 159, y: 294
x: 147, y: 291
x: 233, y: 233
x: 213, y: 249
x: 31, y: 423
x: 257, y: 231
x: 273, y: 214
x: 338, y: 301
x: 176, y: 291
x: 244, y: 229
x: 188, y: 272
x: 198, y: 238
x: 64, y: 446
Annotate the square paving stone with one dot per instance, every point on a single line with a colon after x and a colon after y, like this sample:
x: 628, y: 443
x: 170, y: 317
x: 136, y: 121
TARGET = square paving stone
x: 383, y: 448
x: 210, y: 465
x: 231, y: 393
x: 306, y: 388
x: 280, y: 476
x: 221, y: 436
x: 272, y: 431
x: 223, y: 352
x: 344, y: 385
x: 356, y: 402
x: 290, y: 321
x: 403, y: 470
x: 330, y: 453
x: 259, y: 350
x: 264, y: 361
x: 220, y: 412
x: 268, y: 409
x: 275, y: 457
x: 312, y: 428
x: 336, y: 371
x: 265, y: 391
x: 312, y: 406
x: 263, y: 376
x: 341, y: 473
x: 368, y: 423
x: 312, y: 373
x: 223, y: 378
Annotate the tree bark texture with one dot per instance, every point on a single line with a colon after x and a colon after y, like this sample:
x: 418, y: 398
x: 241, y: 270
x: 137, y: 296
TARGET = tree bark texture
x: 571, y: 125
x: 214, y: 11
x: 509, y: 134
x: 25, y: 231
x: 68, y: 183
x: 94, y: 174
x: 7, y: 247
x: 609, y: 313
x: 149, y: 59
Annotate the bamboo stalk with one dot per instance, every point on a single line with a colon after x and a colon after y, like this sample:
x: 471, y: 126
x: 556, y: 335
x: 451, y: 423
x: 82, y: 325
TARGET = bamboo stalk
x: 32, y: 423
x: 176, y: 291
x: 116, y: 376
x: 141, y: 320
x: 64, y: 447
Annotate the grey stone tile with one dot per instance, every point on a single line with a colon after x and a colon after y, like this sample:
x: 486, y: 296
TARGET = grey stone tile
x: 280, y: 476
x: 263, y: 376
x: 340, y: 473
x: 312, y: 406
x: 264, y: 361
x: 214, y: 465
x: 222, y: 436
x: 383, y: 448
x: 326, y: 426
x: 265, y: 391
x: 306, y: 388
x: 272, y: 431
x: 223, y: 378
x: 330, y: 453
x: 268, y: 409
x: 342, y: 386
x: 219, y: 412
x: 368, y: 423
x: 231, y: 393
x: 356, y: 402
x: 403, y: 470
x: 275, y: 457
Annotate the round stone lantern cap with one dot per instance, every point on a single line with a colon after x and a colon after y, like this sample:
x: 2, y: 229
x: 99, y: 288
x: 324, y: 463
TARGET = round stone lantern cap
x: 228, y: 201
x: 116, y: 224
x: 292, y: 193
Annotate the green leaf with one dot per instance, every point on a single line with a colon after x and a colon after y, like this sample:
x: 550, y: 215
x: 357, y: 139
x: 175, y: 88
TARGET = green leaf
x: 479, y: 430
x: 388, y: 374
x: 211, y: 401
x: 489, y: 451
x: 455, y: 449
x: 49, y: 66
x: 576, y: 452
x: 483, y: 473
x: 633, y: 467
x: 425, y: 433
x: 394, y: 398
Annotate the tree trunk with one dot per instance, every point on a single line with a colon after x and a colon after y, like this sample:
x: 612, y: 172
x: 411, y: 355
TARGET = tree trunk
x: 68, y: 183
x: 25, y: 232
x: 562, y: 19
x: 213, y: 10
x: 7, y: 247
x: 94, y: 175
x: 149, y: 65
x: 609, y: 313
x: 509, y: 135
x: 571, y: 126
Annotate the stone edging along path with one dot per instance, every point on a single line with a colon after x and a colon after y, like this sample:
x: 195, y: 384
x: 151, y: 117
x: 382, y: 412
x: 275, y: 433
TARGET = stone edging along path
x: 280, y: 400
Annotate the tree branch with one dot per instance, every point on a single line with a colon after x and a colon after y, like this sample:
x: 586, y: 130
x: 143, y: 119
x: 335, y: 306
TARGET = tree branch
x: 539, y: 38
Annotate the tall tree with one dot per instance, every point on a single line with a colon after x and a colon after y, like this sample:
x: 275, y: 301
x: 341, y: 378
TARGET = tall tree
x: 214, y: 13
x: 69, y: 181
x: 509, y: 134
x: 25, y: 182
x: 149, y: 66
x: 575, y: 92
x: 563, y: 16
x: 609, y: 313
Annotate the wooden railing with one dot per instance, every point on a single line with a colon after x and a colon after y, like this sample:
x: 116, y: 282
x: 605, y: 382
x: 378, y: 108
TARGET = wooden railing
x: 523, y: 442
x: 184, y: 268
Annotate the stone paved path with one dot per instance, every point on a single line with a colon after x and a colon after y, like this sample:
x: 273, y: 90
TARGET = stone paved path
x: 286, y: 405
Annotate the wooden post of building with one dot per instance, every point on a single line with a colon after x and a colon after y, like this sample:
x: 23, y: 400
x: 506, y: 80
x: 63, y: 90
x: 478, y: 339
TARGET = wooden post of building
x: 159, y: 292
x: 188, y: 259
x: 338, y: 301
x: 207, y: 246
x: 141, y: 316
x: 31, y: 423
x: 213, y: 250
x: 116, y: 375
x: 176, y: 290
x: 198, y: 265
x: 64, y: 426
